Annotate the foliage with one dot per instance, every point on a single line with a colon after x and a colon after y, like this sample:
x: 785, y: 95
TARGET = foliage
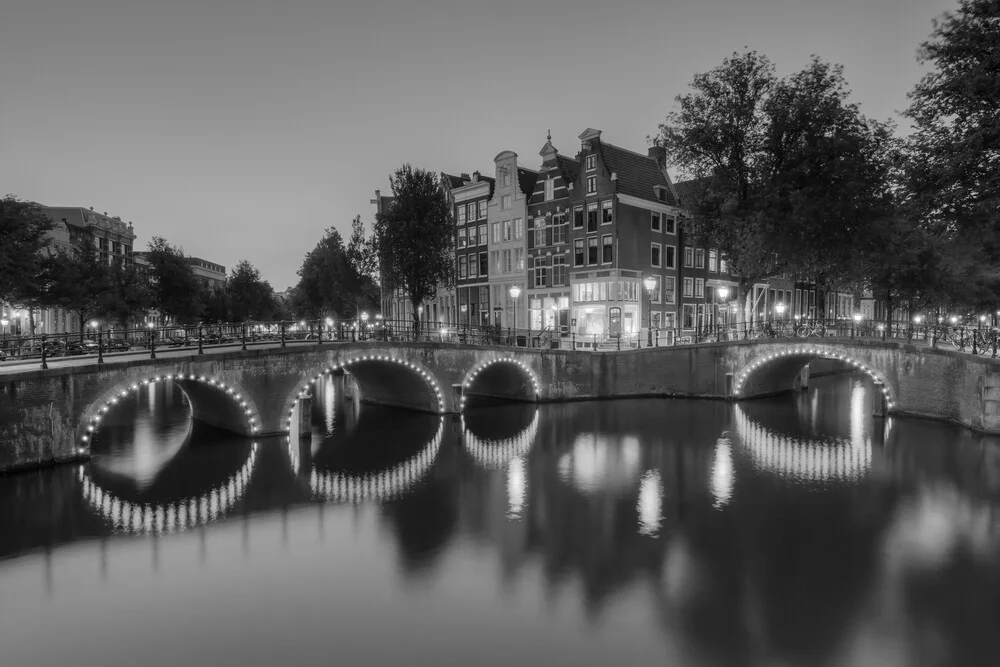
x: 330, y: 283
x: 78, y: 281
x: 174, y: 285
x: 953, y: 180
x: 249, y: 297
x: 414, y: 237
x: 23, y: 236
x: 128, y: 297
x: 361, y: 250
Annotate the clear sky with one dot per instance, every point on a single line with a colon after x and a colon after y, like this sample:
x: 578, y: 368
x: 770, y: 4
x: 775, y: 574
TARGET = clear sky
x: 243, y: 128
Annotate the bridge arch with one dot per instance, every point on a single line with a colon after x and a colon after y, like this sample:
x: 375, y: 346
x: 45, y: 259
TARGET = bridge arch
x: 213, y: 401
x: 177, y: 515
x: 781, y: 367
x: 395, y: 389
x: 511, y: 379
x: 378, y: 486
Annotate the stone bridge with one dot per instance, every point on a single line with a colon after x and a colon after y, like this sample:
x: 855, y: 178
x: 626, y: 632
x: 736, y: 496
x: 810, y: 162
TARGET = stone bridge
x: 51, y: 415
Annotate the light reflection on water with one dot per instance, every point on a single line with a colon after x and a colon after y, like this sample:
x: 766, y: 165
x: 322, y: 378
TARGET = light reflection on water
x: 794, y: 530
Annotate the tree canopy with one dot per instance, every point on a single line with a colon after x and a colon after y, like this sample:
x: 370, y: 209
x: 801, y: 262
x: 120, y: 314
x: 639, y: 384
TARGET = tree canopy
x: 24, y: 228
x: 414, y: 237
x: 331, y: 279
x: 249, y: 296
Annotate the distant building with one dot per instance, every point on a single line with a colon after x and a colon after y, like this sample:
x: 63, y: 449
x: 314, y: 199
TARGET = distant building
x: 211, y: 275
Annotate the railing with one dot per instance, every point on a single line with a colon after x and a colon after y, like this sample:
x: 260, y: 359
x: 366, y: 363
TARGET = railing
x: 111, y: 342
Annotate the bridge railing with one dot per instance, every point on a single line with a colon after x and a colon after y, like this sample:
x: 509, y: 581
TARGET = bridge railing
x: 101, y: 342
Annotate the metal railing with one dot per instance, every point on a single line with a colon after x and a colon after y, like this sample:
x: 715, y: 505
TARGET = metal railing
x: 100, y: 342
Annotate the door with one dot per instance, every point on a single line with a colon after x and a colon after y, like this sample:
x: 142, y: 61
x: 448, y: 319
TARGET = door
x: 615, y: 322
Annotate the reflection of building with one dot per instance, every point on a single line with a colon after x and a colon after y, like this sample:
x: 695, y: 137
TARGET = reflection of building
x: 506, y: 215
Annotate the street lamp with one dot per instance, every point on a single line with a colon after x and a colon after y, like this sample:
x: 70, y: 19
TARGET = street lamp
x: 722, y: 293
x: 780, y: 309
x: 917, y: 319
x: 650, y: 284
x: 953, y: 319
x: 515, y: 292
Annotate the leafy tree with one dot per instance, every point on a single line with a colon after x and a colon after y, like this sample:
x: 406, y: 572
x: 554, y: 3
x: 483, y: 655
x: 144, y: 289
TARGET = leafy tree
x: 361, y: 250
x: 23, y: 236
x: 215, y: 305
x: 174, y: 285
x: 249, y: 297
x: 954, y: 182
x: 78, y: 281
x: 129, y: 295
x: 331, y: 279
x: 414, y: 237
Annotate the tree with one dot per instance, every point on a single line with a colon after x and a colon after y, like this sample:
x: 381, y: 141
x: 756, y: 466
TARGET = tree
x: 24, y: 228
x: 249, y: 297
x: 129, y: 295
x: 414, y: 237
x: 332, y: 279
x: 78, y: 281
x: 953, y: 179
x: 361, y: 250
x: 174, y: 285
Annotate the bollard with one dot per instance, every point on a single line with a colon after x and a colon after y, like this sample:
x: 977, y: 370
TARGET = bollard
x: 243, y: 336
x: 201, y: 345
x: 100, y: 346
x: 458, y: 398
x: 802, y: 379
x: 305, y: 417
x: 729, y: 387
x: 152, y: 344
x: 44, y: 363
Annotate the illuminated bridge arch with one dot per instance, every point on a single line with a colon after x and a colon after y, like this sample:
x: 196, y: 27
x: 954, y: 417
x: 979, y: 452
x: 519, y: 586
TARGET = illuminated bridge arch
x: 156, y: 518
x: 379, y: 486
x: 496, y: 453
x: 781, y: 366
x: 803, y: 458
x: 504, y: 377
x: 394, y: 389
x: 212, y: 400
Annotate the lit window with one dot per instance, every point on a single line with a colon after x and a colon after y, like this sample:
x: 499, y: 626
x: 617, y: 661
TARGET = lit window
x: 699, y: 258
x: 699, y: 287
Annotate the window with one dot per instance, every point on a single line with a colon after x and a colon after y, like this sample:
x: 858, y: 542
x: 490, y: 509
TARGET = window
x: 661, y: 194
x: 540, y: 272
x: 578, y: 217
x: 507, y: 230
x: 607, y: 249
x: 484, y: 297
x: 606, y: 212
x: 722, y: 265
x: 539, y: 232
x: 578, y: 252
x: 518, y: 228
x: 559, y: 231
x: 506, y: 265
x: 482, y: 209
x: 461, y: 215
x: 699, y: 287
x: 591, y: 162
x: 687, y: 316
x: 505, y: 202
x: 699, y: 258
x: 463, y: 268
x: 669, y: 290
x: 519, y: 259
x: 461, y: 237
x: 473, y: 265
x: 713, y: 260
x: 496, y: 262
x: 656, y: 295
x: 669, y: 257
x: 591, y: 185
x: 496, y: 232
x: 484, y: 264
x: 657, y: 320
x: 549, y: 189
x: 482, y: 235
x: 655, y: 221
x: 559, y: 269
x: 669, y: 320
x: 689, y: 287
x: 688, y: 257
x: 472, y: 211
x: 592, y: 250
x: 655, y: 255
x: 592, y: 217
x: 670, y: 224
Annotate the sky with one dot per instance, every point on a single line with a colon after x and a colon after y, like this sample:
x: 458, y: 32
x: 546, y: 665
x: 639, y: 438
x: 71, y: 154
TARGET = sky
x: 242, y: 129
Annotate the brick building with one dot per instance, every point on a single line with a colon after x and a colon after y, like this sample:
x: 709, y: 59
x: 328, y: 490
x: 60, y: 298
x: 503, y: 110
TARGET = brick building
x: 506, y: 215
x: 472, y: 287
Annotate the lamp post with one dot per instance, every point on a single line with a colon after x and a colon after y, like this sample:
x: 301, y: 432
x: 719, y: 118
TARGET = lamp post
x: 364, y: 324
x: 722, y: 294
x: 152, y: 340
x: 100, y: 343
x: 650, y: 284
x: 515, y: 292
x: 857, y: 323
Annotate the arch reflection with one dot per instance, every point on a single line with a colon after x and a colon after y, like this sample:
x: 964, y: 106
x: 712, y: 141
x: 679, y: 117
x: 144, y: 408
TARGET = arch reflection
x: 494, y: 437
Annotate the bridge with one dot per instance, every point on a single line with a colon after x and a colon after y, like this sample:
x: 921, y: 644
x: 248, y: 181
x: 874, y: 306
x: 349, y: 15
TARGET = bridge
x: 49, y: 415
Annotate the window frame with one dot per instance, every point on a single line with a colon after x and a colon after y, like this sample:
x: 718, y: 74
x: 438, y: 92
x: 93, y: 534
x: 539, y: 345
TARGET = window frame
x: 591, y: 162
x: 658, y: 218
x: 591, y: 185
x: 656, y: 248
x: 607, y: 242
x: 579, y: 252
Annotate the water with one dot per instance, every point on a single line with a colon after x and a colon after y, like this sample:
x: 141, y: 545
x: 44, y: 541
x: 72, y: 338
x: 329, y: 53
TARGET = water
x: 790, y: 531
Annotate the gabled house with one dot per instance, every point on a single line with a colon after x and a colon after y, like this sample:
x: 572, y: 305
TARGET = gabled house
x: 506, y: 214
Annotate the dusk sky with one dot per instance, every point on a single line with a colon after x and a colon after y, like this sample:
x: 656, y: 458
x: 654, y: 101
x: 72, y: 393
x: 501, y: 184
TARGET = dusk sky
x: 241, y: 129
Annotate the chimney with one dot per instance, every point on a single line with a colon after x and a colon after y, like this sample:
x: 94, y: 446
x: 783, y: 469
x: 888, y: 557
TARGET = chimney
x: 465, y: 176
x: 659, y: 153
x: 475, y: 176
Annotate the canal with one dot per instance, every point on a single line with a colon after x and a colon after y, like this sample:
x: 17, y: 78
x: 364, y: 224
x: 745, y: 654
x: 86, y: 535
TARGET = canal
x: 788, y: 531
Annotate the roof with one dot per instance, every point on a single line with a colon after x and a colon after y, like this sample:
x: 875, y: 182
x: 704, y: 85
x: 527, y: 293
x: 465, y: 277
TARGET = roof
x: 638, y: 174
x: 526, y: 179
x: 453, y: 181
x: 568, y: 168
x: 687, y: 191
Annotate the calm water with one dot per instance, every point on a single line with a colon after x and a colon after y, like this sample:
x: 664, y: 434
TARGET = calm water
x: 782, y: 532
